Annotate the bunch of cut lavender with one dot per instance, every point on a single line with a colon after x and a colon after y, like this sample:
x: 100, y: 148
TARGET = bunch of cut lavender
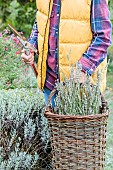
x: 76, y: 98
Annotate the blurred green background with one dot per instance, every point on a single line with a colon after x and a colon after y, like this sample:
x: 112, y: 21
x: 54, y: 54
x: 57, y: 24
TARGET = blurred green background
x: 19, y: 13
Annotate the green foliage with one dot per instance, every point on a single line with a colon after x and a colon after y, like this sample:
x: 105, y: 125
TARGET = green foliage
x: 109, y: 97
x: 13, y: 73
x: 110, y: 49
x: 9, y: 62
x: 110, y: 67
x: 110, y: 58
x: 110, y: 79
x: 111, y: 9
x: 24, y: 130
x: 110, y: 53
x: 21, y: 14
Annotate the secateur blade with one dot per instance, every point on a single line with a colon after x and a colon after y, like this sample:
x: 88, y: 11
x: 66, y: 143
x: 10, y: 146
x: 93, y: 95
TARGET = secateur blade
x: 25, y: 44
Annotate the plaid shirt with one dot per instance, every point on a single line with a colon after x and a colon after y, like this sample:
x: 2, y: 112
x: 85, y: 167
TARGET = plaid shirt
x: 97, y: 51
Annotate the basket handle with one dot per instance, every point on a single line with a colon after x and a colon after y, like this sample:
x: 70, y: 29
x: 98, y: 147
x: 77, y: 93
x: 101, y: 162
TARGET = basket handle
x: 48, y: 107
x: 104, y: 107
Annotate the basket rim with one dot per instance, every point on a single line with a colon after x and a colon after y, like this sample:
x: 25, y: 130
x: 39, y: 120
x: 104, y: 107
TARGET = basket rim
x: 49, y: 114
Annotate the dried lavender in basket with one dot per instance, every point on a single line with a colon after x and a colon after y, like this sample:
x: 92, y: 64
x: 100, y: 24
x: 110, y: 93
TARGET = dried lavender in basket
x: 76, y: 98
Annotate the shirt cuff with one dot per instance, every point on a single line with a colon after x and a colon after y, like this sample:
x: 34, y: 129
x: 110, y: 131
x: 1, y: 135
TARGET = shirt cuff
x: 87, y: 66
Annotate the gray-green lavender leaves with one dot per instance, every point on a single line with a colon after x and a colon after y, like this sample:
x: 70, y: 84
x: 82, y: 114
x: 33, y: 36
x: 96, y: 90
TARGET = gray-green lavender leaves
x: 20, y: 131
x: 76, y: 98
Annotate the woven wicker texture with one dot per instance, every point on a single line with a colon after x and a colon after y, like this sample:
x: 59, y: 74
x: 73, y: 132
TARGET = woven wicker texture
x: 78, y: 142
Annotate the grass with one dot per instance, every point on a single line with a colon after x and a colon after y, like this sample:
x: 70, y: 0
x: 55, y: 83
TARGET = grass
x: 109, y: 98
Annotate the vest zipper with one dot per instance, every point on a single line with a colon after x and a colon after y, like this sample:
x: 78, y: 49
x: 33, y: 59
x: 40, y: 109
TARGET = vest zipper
x: 45, y: 38
x: 58, y: 43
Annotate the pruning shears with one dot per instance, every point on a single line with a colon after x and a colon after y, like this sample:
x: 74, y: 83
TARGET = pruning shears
x: 26, y: 46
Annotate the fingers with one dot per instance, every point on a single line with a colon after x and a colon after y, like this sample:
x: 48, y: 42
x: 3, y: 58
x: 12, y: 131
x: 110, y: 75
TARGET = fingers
x: 81, y: 78
x: 30, y: 62
x: 28, y: 59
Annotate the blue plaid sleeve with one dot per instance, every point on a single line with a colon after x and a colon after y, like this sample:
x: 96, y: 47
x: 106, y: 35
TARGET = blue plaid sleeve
x: 102, y: 31
x: 34, y: 36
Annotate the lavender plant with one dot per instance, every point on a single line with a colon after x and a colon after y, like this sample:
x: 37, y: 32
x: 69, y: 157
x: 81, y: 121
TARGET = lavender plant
x: 76, y: 98
x: 24, y: 130
x: 19, y: 160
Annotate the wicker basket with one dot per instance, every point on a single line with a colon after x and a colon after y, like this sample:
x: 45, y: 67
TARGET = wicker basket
x: 78, y: 142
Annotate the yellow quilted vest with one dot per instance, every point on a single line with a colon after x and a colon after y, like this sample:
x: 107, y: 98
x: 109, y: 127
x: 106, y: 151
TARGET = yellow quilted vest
x: 75, y: 36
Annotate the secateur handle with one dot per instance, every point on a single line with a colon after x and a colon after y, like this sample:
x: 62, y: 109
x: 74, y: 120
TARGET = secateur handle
x: 27, y: 52
x: 26, y: 46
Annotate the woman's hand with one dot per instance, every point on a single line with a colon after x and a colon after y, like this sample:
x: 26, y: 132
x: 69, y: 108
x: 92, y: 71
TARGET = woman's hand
x: 81, y: 78
x: 28, y: 59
